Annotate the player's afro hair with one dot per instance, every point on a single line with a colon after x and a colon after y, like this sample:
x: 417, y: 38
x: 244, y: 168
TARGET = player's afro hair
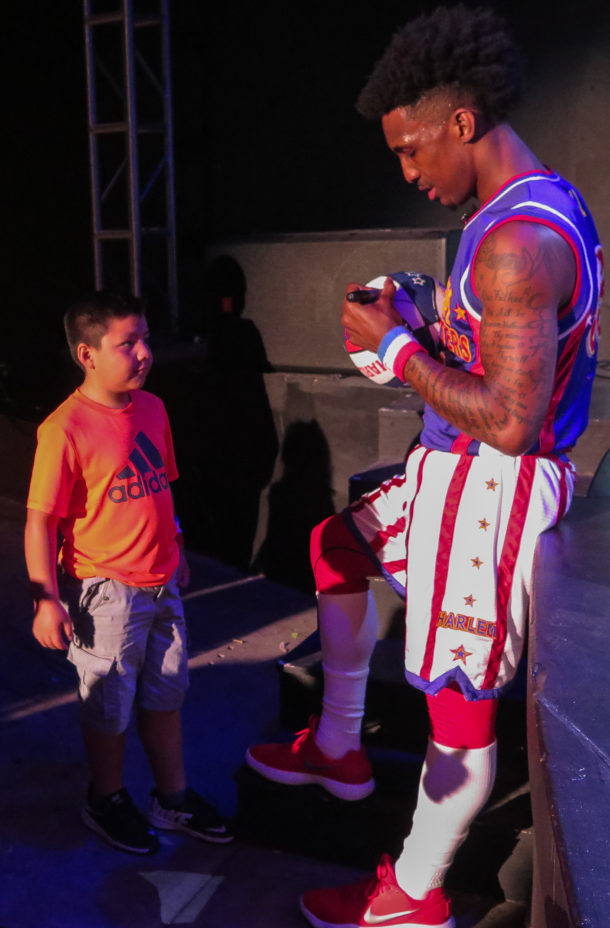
x: 465, y: 50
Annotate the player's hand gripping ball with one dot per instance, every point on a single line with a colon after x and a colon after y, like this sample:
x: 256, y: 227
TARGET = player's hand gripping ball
x: 418, y: 298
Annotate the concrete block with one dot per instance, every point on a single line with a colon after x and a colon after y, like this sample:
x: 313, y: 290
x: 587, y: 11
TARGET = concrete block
x: 295, y: 284
x: 400, y: 422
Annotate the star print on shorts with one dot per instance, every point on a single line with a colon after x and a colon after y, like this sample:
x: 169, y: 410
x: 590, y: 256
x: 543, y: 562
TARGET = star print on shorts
x: 460, y: 654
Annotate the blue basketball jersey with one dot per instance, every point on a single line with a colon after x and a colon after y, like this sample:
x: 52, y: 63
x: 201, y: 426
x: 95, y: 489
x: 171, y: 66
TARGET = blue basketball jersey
x: 543, y: 197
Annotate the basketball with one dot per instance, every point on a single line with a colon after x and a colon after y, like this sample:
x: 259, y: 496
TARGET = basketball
x: 418, y: 298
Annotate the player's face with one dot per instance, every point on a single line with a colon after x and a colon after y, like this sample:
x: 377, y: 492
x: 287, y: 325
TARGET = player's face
x: 432, y: 154
x: 123, y: 359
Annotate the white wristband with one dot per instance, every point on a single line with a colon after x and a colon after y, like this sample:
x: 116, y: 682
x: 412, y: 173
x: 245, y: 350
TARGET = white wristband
x: 395, y: 349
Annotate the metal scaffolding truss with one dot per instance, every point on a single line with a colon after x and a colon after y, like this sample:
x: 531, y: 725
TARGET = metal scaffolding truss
x: 130, y: 146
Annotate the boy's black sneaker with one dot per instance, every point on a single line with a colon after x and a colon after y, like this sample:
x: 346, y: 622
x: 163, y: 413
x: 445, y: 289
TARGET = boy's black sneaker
x: 196, y: 817
x: 116, y: 819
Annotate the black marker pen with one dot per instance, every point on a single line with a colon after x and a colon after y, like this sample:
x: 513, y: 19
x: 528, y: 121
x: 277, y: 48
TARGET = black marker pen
x: 363, y: 296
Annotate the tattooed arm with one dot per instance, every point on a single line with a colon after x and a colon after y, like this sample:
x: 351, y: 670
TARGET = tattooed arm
x: 524, y: 274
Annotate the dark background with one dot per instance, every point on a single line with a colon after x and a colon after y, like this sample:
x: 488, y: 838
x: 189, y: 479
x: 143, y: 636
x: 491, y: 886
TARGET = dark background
x: 266, y: 137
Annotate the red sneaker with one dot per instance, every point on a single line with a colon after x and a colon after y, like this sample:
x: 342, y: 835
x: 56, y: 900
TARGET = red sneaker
x: 349, y: 777
x: 376, y: 903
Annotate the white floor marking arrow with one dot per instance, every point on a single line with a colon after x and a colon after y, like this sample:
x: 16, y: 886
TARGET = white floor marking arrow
x: 182, y: 895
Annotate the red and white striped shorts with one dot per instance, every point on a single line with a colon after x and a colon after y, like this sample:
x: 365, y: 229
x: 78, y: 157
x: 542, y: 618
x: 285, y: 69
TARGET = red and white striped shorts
x: 456, y: 535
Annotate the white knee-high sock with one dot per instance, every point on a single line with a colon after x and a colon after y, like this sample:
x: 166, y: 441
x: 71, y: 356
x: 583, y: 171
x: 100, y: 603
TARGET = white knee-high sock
x: 455, y: 785
x: 348, y: 631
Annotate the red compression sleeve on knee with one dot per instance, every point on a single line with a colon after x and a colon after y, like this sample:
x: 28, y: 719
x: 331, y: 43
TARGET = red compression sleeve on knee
x: 457, y: 723
x: 338, y: 562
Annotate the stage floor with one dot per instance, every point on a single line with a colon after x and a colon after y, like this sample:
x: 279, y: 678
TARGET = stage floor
x: 56, y: 874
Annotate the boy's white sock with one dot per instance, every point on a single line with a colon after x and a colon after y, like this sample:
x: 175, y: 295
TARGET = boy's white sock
x: 348, y: 631
x: 455, y: 785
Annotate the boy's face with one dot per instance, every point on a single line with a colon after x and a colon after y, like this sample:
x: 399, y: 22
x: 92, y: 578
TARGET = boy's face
x: 123, y: 359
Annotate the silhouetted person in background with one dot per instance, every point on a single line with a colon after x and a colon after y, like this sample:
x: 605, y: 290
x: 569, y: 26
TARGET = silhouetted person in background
x: 226, y: 438
x: 300, y: 499
x: 234, y: 343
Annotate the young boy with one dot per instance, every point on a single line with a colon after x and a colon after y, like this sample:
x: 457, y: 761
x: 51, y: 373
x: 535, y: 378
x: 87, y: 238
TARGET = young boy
x: 101, y: 478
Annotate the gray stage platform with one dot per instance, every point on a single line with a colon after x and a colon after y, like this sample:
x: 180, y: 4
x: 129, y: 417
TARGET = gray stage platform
x: 569, y: 709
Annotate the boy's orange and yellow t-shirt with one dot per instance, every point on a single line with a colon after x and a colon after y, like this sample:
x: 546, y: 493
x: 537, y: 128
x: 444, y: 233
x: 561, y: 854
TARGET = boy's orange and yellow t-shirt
x: 106, y: 473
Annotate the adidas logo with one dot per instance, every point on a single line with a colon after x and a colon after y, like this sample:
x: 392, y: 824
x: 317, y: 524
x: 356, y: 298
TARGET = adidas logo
x: 146, y: 460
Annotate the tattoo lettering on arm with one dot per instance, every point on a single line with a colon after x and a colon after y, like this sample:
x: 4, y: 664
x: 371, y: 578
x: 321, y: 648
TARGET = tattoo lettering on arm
x: 524, y: 273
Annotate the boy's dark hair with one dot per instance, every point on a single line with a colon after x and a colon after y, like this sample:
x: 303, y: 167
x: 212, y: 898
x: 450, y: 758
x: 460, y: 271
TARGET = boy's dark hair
x: 464, y: 51
x: 87, y: 319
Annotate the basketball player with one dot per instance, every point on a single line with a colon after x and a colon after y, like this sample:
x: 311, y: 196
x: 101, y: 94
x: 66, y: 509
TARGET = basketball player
x: 457, y: 530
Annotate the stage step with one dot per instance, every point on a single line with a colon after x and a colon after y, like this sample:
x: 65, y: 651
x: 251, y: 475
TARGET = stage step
x: 308, y: 820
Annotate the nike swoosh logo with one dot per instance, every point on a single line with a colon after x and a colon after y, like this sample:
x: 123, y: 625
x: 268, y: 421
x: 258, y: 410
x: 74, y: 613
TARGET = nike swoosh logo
x: 369, y: 919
